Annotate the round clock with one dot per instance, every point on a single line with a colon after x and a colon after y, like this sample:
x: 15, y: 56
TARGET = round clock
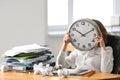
x: 83, y: 33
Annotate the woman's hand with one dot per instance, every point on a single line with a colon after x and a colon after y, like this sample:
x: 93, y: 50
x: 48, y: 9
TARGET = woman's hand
x: 67, y: 39
x: 100, y: 42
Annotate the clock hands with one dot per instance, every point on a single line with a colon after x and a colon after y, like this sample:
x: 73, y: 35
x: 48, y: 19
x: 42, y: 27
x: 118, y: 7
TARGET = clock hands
x: 79, y: 32
x: 88, y: 32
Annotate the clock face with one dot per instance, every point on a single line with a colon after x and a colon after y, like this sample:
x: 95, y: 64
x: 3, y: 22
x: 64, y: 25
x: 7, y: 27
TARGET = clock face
x: 83, y: 33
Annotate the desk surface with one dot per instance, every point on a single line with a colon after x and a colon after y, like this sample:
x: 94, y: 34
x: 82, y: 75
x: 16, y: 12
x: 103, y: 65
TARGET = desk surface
x: 31, y: 76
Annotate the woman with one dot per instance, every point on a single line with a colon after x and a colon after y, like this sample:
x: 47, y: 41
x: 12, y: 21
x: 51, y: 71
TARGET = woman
x: 99, y: 59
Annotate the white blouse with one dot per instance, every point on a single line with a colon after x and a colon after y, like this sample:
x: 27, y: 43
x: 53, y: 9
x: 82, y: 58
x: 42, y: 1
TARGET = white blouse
x: 94, y: 59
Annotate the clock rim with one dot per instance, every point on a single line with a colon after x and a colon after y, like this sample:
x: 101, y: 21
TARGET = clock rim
x: 90, y: 21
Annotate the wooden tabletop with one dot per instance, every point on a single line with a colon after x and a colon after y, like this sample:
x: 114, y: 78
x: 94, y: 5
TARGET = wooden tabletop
x: 30, y: 76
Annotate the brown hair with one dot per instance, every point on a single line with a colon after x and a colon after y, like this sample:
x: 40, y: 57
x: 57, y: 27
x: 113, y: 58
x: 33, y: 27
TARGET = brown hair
x: 102, y: 30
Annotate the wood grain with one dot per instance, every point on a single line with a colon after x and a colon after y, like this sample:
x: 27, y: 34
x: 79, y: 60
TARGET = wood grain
x: 30, y: 76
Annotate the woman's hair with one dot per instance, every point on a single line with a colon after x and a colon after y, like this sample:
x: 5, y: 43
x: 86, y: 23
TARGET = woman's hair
x: 102, y: 30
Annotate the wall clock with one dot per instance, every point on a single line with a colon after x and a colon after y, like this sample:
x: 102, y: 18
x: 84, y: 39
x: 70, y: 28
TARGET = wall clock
x: 83, y: 33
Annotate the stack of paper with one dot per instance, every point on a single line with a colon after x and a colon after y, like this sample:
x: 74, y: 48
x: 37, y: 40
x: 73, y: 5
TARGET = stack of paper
x: 24, y: 57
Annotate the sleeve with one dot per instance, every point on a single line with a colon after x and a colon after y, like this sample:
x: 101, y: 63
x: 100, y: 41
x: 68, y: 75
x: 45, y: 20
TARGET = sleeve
x: 107, y: 60
x: 66, y: 61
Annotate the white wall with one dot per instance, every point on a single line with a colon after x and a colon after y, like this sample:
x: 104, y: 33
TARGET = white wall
x: 55, y: 42
x: 22, y: 22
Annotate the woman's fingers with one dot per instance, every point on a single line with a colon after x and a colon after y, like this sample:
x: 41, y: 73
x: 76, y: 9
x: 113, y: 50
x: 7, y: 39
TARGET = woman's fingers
x: 67, y: 38
x: 98, y: 39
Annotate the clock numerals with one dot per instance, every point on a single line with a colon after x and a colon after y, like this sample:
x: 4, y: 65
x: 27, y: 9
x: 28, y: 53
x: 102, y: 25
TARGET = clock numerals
x: 93, y: 40
x: 78, y: 44
x: 89, y: 44
x: 73, y: 29
x: 77, y: 25
x: 82, y: 23
x: 88, y: 24
x: 84, y: 46
x: 92, y: 29
x: 72, y: 34
x: 74, y: 40
x: 94, y: 35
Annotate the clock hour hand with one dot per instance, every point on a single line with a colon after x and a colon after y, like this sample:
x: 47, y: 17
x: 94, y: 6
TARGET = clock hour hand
x: 88, y: 32
x: 80, y: 33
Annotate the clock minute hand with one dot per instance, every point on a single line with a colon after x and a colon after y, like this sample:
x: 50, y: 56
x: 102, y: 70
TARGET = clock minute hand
x: 88, y: 32
x: 80, y: 32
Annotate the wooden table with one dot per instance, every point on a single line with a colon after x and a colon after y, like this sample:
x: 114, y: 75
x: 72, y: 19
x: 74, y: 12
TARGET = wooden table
x: 30, y: 76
